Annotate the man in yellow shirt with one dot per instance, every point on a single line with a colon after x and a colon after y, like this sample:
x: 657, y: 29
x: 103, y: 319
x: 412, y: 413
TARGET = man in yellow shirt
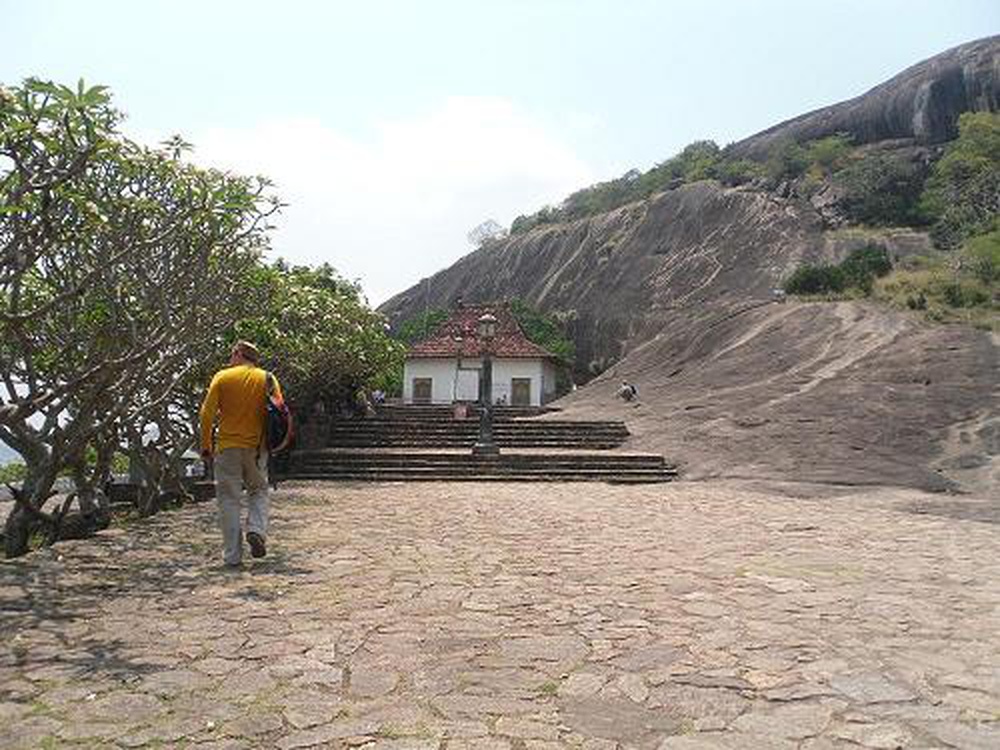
x: 237, y: 396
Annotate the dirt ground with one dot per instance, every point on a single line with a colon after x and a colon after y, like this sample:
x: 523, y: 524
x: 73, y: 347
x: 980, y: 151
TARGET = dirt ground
x: 531, y: 617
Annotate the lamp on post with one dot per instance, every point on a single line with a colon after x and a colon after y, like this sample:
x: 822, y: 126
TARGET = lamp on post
x: 486, y: 330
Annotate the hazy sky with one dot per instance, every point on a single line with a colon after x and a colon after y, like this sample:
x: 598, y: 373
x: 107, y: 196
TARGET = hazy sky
x: 392, y: 128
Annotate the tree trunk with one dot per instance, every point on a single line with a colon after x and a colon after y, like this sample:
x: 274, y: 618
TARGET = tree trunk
x: 17, y: 532
x: 21, y: 523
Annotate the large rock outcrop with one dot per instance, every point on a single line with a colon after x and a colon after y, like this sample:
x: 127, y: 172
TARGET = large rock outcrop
x: 675, y: 293
x: 923, y: 103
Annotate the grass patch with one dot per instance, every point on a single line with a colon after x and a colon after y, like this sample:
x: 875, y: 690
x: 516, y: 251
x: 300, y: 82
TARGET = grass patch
x: 941, y: 293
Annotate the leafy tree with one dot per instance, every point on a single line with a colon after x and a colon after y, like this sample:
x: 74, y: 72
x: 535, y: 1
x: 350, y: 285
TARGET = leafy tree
x: 738, y: 171
x: 961, y: 193
x: 117, y: 262
x: 857, y: 271
x: 786, y: 161
x: 981, y: 255
x: 316, y: 330
x: 828, y: 154
x: 865, y: 264
x: 882, y: 189
x: 543, y: 330
x: 420, y: 327
x: 821, y: 279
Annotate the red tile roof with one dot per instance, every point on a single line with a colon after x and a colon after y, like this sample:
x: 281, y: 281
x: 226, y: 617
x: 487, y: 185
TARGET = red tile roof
x: 456, y: 337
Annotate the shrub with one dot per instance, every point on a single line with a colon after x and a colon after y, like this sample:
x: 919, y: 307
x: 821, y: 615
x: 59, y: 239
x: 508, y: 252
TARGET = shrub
x: 882, y: 189
x: 830, y: 153
x: 963, y: 294
x: 738, y: 171
x: 864, y: 264
x: 13, y: 472
x: 420, y: 327
x: 981, y: 255
x: 543, y: 330
x: 786, y: 161
x: 961, y: 193
x: 858, y: 271
x: 822, y: 279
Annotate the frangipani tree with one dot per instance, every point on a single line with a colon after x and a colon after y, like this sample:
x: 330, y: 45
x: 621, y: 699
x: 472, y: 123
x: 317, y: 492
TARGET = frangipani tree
x: 120, y: 267
x: 318, y: 333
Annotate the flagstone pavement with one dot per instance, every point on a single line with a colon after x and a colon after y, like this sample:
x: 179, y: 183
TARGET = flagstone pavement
x: 522, y: 617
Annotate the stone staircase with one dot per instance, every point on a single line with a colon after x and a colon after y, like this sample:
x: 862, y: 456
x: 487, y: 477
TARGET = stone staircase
x: 426, y: 426
x: 428, y: 443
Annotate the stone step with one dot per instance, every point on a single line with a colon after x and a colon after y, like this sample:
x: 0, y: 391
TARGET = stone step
x: 469, y: 441
x: 475, y: 420
x: 666, y: 475
x: 312, y: 467
x: 418, y: 411
x: 337, y: 457
x: 474, y: 429
x: 462, y: 466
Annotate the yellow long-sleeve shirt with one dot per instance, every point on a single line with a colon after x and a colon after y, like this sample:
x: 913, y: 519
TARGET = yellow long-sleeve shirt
x: 237, y: 396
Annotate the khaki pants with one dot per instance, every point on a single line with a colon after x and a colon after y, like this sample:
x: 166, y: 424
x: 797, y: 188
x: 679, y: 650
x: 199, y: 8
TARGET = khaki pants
x: 236, y: 469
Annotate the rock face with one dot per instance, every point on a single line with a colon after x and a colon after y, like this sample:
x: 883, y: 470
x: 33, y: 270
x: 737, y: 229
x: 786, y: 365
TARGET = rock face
x: 923, y: 102
x: 675, y: 294
x: 618, y: 277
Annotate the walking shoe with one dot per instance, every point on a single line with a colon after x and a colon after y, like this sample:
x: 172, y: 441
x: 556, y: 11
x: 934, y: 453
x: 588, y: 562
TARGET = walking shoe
x: 256, y: 542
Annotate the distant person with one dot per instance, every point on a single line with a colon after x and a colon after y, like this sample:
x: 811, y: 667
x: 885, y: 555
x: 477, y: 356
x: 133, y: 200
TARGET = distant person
x: 627, y: 391
x: 362, y: 406
x: 237, y: 397
x: 378, y: 397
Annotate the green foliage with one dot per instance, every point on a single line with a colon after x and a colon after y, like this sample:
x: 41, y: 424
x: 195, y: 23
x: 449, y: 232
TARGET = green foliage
x: 821, y: 279
x: 417, y: 329
x: 943, y: 291
x: 865, y: 264
x: 787, y: 161
x: 857, y: 271
x: 700, y: 160
x: 543, y: 330
x: 828, y: 154
x: 882, y: 189
x: 981, y: 255
x: 961, y: 193
x: 13, y: 472
x: 734, y: 172
x: 125, y: 273
x: 316, y: 331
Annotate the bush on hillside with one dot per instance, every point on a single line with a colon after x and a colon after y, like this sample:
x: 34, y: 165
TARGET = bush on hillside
x: 857, y: 271
x: 543, y: 330
x: 864, y: 265
x: 420, y: 327
x: 821, y: 279
x: 787, y: 161
x: 732, y: 172
x: 942, y: 292
x: 981, y: 255
x: 961, y: 193
x: 882, y: 190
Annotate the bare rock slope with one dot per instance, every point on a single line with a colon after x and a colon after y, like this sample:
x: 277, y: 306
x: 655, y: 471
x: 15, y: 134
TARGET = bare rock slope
x: 675, y: 294
x: 920, y: 103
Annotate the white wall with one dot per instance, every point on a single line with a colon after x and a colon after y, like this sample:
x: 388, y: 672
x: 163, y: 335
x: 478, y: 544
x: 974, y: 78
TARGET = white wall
x: 504, y: 370
x: 445, y: 388
x: 442, y: 373
x: 548, y: 381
